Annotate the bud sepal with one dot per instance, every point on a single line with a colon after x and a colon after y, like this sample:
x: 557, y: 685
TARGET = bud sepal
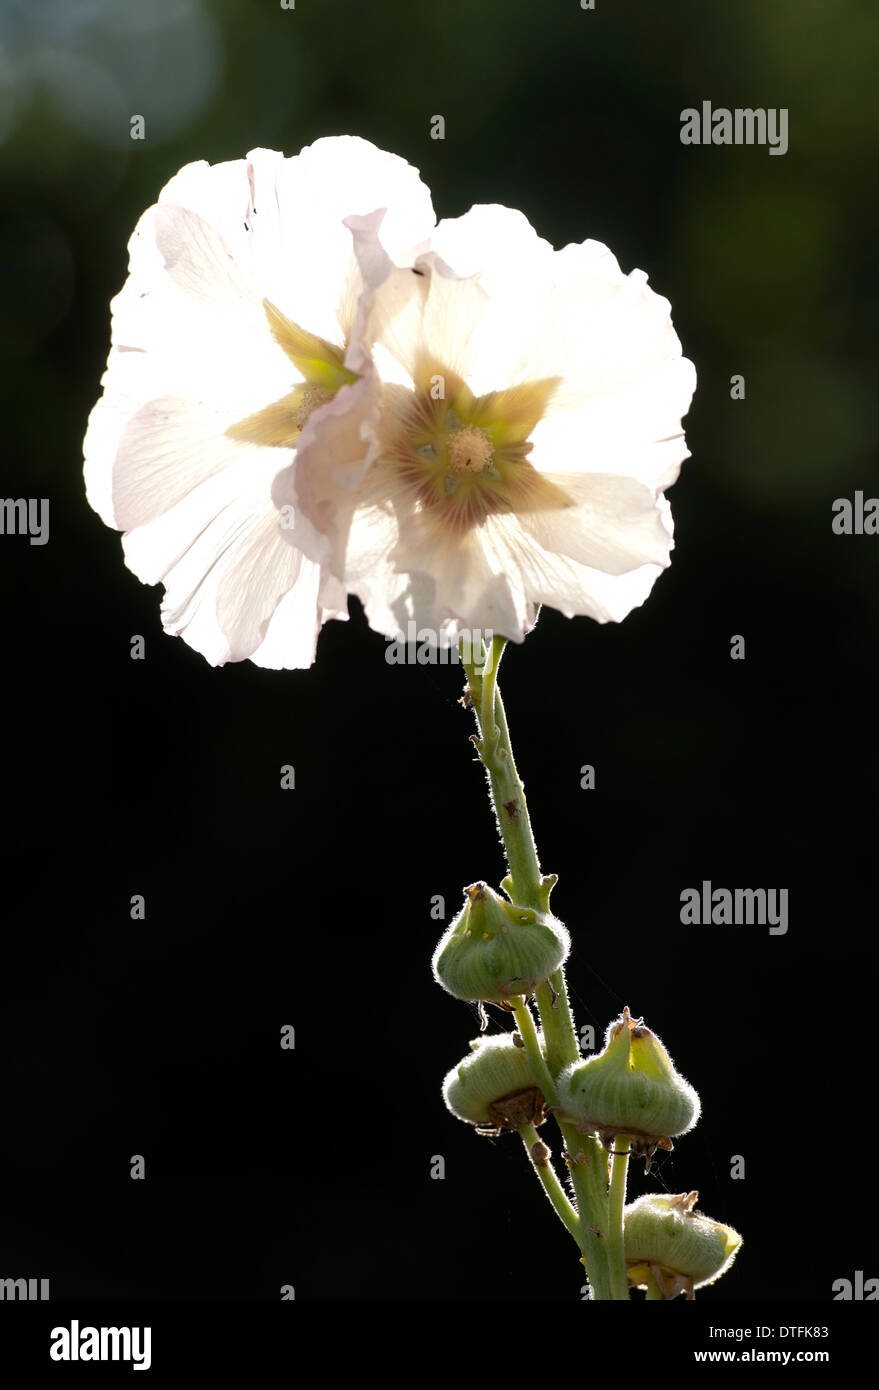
x: 668, y: 1239
x: 494, y: 1088
x: 495, y: 950
x: 630, y: 1088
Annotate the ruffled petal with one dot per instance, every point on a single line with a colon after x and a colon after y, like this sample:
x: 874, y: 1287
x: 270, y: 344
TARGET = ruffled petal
x: 186, y: 451
x: 221, y: 556
x: 598, y: 358
x: 560, y: 581
x: 613, y: 524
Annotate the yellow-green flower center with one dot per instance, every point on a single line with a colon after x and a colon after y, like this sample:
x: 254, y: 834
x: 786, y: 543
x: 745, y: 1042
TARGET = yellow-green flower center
x: 321, y: 364
x: 464, y: 457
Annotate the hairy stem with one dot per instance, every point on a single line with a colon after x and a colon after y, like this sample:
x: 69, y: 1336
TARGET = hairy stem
x: 538, y: 1155
x: 542, y: 1074
x: 616, y: 1251
x: 529, y: 887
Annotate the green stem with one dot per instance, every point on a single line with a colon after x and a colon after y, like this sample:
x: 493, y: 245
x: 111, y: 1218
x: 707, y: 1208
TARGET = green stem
x: 527, y: 885
x: 540, y: 1162
x: 588, y: 1170
x: 616, y: 1251
x: 653, y: 1290
x: 542, y: 1074
x: 588, y: 1180
x: 558, y: 1022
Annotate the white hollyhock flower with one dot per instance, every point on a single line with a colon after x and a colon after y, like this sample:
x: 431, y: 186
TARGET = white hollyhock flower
x: 531, y: 422
x: 236, y: 340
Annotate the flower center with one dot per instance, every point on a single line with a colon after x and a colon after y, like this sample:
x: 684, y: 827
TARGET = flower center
x: 312, y: 398
x: 469, y: 450
x: 322, y: 366
x: 464, y: 457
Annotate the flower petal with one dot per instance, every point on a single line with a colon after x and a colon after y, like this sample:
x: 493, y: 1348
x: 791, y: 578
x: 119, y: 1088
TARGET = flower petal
x: 553, y: 578
x: 614, y: 524
x: 189, y: 440
x: 220, y: 553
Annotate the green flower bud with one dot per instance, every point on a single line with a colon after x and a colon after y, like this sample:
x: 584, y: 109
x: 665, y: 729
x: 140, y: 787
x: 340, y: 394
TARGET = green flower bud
x: 666, y: 1237
x: 629, y: 1088
x: 494, y: 1088
x: 495, y: 950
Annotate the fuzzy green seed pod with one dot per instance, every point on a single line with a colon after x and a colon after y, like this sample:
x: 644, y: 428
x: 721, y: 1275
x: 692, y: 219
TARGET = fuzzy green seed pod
x: 665, y: 1236
x: 494, y: 1087
x: 495, y: 950
x: 629, y: 1088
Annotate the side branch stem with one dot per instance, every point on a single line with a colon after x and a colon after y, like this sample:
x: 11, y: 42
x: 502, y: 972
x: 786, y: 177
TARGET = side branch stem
x: 540, y: 1162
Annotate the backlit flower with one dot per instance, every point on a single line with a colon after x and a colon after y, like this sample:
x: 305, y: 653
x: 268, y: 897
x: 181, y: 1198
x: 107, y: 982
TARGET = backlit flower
x: 236, y: 340
x: 531, y: 422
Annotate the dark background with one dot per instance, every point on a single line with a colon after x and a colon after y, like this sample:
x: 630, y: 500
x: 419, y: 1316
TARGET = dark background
x: 311, y: 907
